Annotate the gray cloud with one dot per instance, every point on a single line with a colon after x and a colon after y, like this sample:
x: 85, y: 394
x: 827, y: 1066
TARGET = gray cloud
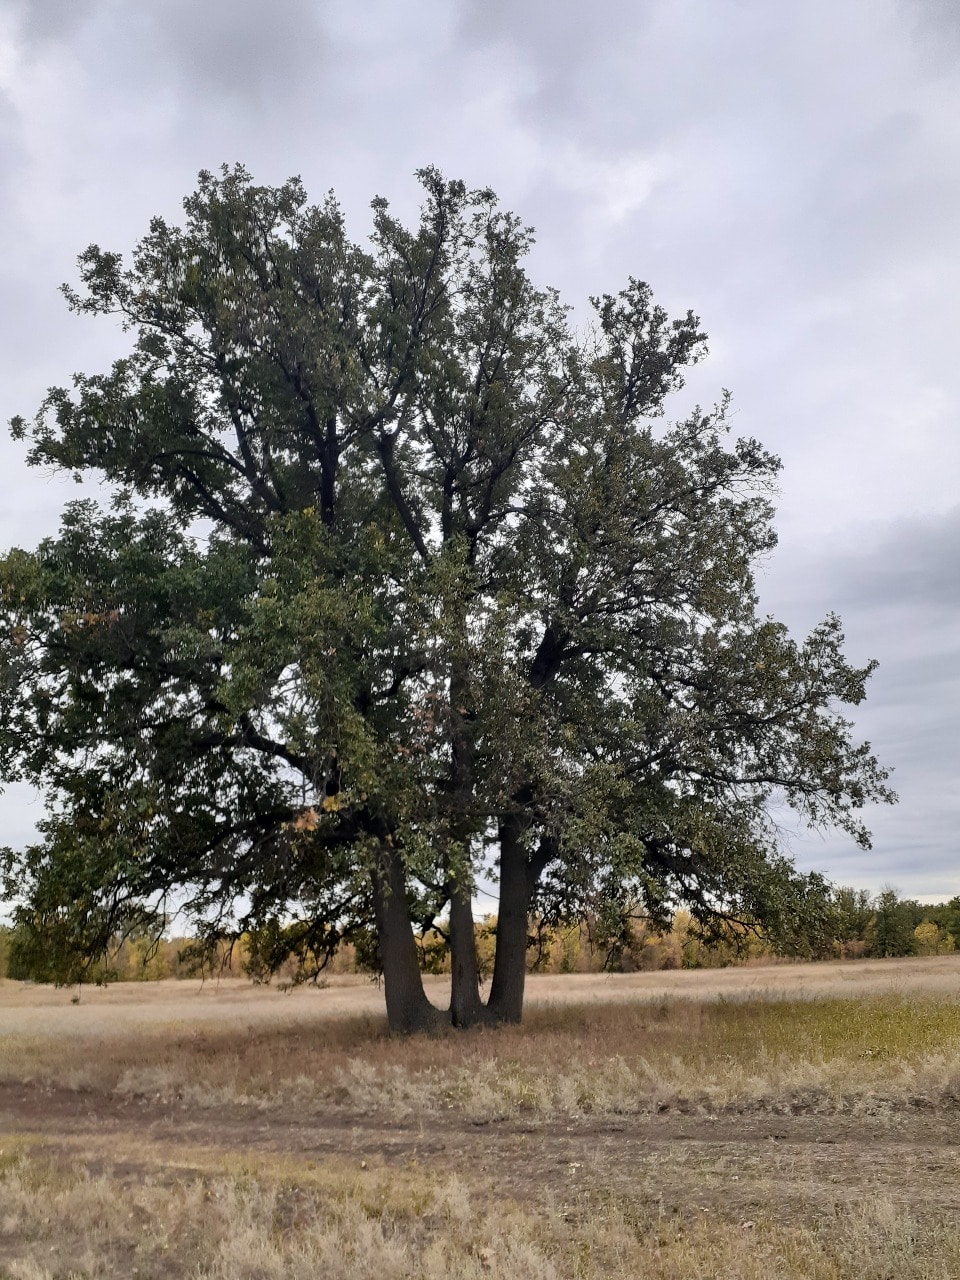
x: 564, y: 52
x: 936, y: 23
x: 236, y: 53
x: 242, y: 50
x: 914, y: 564
x: 49, y: 21
x: 898, y: 592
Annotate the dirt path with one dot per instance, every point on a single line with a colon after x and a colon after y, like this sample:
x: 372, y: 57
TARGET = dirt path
x: 727, y: 1164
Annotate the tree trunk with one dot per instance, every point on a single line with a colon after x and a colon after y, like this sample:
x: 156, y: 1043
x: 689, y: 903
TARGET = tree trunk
x: 408, y: 1008
x: 516, y: 886
x: 466, y: 1007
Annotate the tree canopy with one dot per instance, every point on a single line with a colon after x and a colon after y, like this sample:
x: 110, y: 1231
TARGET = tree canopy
x: 402, y: 582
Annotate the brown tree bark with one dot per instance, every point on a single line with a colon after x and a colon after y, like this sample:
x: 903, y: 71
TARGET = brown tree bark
x: 510, y: 965
x: 408, y: 1009
x: 519, y: 873
x: 466, y: 1007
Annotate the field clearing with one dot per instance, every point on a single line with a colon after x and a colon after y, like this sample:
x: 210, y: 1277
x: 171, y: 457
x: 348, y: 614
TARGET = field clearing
x: 787, y: 1121
x: 25, y: 1008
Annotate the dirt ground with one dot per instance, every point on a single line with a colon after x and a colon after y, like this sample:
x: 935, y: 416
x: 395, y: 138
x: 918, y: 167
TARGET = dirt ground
x: 817, y: 1162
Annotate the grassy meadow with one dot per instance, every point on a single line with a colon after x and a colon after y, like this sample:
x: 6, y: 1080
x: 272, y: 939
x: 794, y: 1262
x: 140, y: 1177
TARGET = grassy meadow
x: 782, y: 1121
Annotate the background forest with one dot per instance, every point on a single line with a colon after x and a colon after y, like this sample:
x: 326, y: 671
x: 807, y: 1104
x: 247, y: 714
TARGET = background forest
x: 857, y: 926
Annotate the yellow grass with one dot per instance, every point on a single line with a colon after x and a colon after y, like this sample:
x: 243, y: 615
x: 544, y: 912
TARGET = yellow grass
x: 349, y: 1224
x: 827, y: 1038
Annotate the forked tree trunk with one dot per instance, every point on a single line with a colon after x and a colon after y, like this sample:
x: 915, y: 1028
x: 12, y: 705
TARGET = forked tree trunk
x: 408, y: 1008
x: 516, y: 887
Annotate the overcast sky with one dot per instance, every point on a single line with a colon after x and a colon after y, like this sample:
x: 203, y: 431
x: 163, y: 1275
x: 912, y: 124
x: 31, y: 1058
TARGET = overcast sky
x: 789, y: 172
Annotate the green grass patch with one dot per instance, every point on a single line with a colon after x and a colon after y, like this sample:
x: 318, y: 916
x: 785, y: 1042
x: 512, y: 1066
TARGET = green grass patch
x: 831, y: 1029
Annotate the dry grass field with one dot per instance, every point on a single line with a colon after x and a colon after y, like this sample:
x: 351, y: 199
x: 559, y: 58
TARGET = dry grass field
x: 785, y: 1121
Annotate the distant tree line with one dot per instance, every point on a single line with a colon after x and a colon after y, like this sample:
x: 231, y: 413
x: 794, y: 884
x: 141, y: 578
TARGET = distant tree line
x: 889, y: 925
x: 855, y: 925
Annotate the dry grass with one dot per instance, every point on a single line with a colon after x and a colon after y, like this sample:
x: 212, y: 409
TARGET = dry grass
x: 829, y: 1055
x: 347, y: 1224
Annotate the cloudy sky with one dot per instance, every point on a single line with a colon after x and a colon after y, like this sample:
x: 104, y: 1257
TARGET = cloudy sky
x: 789, y: 172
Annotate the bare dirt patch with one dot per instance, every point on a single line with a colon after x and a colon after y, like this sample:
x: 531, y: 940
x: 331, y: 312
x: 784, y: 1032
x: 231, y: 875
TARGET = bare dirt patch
x: 817, y: 1160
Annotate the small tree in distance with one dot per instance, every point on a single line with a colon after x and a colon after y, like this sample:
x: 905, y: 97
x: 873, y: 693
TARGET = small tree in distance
x: 400, y: 580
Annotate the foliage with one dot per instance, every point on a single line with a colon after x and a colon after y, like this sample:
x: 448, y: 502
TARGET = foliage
x: 892, y: 926
x: 401, y: 578
x: 947, y: 917
x: 850, y: 916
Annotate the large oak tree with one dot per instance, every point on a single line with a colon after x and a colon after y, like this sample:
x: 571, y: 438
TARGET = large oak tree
x: 401, y: 581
